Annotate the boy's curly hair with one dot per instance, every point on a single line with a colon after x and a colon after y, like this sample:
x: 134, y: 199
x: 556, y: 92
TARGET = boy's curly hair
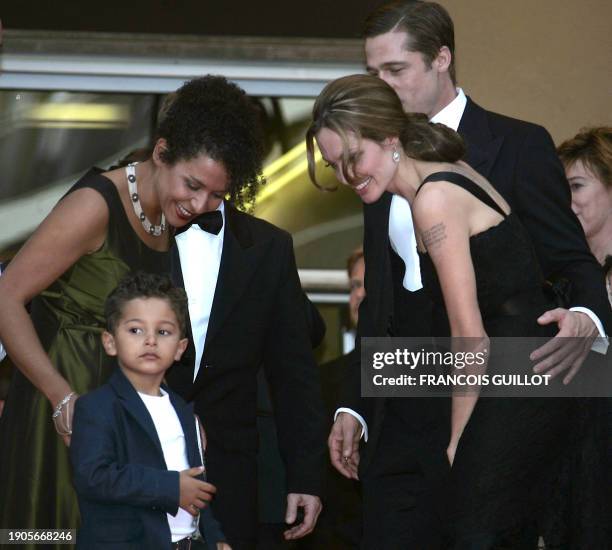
x: 145, y: 285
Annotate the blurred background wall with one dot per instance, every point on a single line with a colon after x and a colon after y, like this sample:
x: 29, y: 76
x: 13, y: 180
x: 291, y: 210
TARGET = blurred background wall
x: 542, y: 60
x: 547, y: 61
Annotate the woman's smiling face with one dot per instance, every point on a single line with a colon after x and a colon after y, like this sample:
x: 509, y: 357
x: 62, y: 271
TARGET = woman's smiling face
x: 189, y: 188
x: 371, y: 166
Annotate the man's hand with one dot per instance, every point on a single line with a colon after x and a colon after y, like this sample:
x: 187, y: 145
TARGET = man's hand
x: 312, y: 508
x: 343, y: 443
x: 570, y: 346
x: 193, y: 492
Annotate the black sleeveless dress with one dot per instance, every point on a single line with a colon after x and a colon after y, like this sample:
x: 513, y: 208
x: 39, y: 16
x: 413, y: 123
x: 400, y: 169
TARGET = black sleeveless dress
x: 510, y: 446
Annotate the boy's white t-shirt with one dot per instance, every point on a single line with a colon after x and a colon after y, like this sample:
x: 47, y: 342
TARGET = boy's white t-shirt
x: 172, y: 438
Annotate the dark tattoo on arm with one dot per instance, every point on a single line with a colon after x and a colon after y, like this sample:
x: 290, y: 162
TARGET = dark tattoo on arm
x: 433, y: 237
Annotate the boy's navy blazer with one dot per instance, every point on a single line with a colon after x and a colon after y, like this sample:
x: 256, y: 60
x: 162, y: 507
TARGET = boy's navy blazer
x: 119, y: 472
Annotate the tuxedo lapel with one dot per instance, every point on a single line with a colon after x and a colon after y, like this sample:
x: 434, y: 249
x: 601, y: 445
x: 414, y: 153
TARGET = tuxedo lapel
x: 176, y: 275
x: 482, y: 146
x: 187, y: 420
x: 134, y: 405
x: 379, y: 282
x: 239, y: 260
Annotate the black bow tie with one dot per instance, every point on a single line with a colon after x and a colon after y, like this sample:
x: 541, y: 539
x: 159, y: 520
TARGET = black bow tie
x: 212, y: 222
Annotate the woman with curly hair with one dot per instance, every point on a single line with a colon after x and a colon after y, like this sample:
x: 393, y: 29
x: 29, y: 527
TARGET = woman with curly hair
x: 208, y: 146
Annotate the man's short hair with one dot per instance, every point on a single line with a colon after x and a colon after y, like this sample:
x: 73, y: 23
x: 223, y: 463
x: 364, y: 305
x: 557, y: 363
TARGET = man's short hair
x: 145, y: 285
x: 428, y: 26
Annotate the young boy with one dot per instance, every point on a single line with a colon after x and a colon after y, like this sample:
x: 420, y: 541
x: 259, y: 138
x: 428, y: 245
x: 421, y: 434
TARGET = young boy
x: 135, y: 446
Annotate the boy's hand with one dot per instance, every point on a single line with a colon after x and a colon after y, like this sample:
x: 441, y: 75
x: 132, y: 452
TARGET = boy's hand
x: 223, y: 546
x: 194, y: 493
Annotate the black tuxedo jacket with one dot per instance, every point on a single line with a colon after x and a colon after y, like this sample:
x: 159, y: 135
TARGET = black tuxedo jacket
x: 257, y: 318
x: 520, y: 160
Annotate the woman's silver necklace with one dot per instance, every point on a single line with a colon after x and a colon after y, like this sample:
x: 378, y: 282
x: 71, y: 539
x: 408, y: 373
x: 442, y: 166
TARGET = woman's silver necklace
x: 155, y: 230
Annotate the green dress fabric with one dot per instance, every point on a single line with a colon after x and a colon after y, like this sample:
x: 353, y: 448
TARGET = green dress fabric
x: 35, y: 480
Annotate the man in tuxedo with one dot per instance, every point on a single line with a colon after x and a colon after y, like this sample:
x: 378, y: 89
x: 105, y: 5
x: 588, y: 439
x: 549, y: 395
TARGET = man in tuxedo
x: 410, y: 45
x: 246, y: 310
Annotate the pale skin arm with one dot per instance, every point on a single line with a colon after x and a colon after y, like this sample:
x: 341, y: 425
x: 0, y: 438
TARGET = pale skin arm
x: 75, y: 227
x: 442, y: 225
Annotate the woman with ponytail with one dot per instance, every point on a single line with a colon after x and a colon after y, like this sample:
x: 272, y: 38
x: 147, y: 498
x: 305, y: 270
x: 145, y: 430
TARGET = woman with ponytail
x: 482, y: 280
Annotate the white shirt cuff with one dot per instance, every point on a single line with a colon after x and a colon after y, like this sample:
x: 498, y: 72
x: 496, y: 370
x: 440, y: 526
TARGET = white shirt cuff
x: 364, y: 426
x: 600, y: 344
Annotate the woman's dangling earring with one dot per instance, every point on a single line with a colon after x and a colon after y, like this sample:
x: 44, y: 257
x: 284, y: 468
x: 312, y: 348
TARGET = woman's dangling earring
x: 395, y: 155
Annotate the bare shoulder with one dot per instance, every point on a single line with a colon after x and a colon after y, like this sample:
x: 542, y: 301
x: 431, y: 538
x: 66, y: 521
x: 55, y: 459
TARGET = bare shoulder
x: 438, y: 200
x: 75, y: 227
x: 440, y: 216
x: 82, y: 213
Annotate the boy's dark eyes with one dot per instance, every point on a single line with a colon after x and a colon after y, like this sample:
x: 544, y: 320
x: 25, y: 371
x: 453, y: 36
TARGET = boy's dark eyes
x: 575, y: 186
x: 138, y: 330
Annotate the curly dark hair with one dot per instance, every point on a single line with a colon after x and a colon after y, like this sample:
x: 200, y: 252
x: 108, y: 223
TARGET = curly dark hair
x: 212, y: 115
x: 369, y: 108
x: 145, y: 285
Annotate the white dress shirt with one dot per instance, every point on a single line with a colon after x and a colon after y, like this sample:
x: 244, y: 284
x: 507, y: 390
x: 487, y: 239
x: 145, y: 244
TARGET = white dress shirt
x: 200, y: 253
